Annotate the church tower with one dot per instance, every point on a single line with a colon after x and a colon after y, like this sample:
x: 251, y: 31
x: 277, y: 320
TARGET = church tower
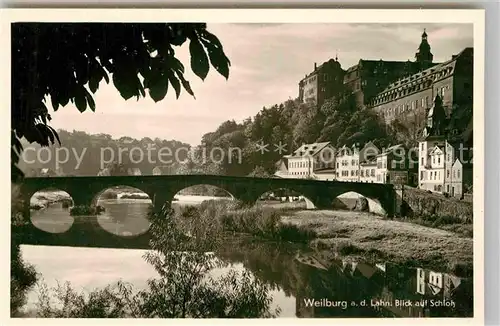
x: 424, y: 55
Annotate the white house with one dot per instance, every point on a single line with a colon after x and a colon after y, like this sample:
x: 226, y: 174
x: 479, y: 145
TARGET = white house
x: 308, y: 159
x: 440, y: 168
x: 392, y: 165
x: 367, y: 172
x: 347, y: 165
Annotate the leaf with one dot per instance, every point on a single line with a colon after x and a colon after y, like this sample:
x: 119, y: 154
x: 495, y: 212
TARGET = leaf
x: 124, y: 84
x: 186, y: 84
x: 93, y: 83
x: 104, y: 74
x: 219, y: 61
x: 216, y: 53
x: 175, y: 84
x: 54, y: 100
x: 158, y: 88
x: 54, y: 132
x: 90, y: 100
x: 199, y: 59
x: 141, y: 90
x: 80, y: 101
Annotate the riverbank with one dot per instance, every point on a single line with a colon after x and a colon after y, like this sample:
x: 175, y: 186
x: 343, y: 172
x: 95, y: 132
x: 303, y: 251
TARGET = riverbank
x: 42, y: 199
x: 369, y: 237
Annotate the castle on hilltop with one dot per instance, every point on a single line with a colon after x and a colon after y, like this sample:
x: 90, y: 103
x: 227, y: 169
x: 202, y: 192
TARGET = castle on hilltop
x: 395, y: 89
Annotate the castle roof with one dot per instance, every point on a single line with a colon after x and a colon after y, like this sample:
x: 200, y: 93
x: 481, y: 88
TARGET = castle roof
x: 433, y: 73
x: 323, y: 65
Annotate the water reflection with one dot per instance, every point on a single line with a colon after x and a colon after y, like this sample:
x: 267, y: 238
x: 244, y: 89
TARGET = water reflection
x: 54, y: 218
x: 320, y: 289
x: 126, y: 217
x: 354, y: 289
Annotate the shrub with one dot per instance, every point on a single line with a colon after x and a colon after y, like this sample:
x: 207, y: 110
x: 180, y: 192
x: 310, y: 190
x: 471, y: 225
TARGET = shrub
x: 23, y: 276
x: 67, y: 203
x: 109, y: 194
x: 82, y: 210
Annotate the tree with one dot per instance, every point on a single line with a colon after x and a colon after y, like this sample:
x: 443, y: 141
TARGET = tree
x: 67, y: 63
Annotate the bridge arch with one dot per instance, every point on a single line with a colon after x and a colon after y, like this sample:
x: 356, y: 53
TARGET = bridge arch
x: 286, y: 198
x: 195, y: 194
x: 49, y: 210
x: 125, y: 211
x: 353, y: 200
x: 113, y: 192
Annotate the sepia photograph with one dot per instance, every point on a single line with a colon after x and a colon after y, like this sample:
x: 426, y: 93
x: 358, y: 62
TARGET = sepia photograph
x: 254, y: 168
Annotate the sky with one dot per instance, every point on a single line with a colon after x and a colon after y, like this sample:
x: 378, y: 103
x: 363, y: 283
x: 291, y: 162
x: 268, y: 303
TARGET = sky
x: 267, y: 62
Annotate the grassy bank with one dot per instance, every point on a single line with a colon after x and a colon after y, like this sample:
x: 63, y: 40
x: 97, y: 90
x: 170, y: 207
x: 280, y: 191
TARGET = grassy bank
x: 362, y: 235
x: 259, y: 220
x: 359, y: 235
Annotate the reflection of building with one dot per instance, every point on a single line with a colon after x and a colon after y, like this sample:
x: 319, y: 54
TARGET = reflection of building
x: 315, y: 160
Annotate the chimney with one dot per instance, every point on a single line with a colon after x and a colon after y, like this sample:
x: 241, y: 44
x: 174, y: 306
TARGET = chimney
x: 315, y: 66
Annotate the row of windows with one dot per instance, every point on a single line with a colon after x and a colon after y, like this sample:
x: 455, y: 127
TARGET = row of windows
x: 368, y: 173
x: 302, y: 164
x: 346, y: 173
x: 346, y: 163
x: 434, y: 175
x: 423, y: 84
x: 310, y: 80
x: 437, y: 174
x: 414, y: 104
x: 299, y: 173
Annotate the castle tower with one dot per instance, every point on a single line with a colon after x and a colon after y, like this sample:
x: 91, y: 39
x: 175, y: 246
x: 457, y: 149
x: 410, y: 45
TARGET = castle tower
x: 424, y: 55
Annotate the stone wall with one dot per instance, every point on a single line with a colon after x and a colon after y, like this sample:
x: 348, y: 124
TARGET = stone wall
x: 421, y: 204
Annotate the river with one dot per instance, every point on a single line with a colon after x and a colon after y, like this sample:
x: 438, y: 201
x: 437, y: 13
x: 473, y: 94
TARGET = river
x: 296, y: 281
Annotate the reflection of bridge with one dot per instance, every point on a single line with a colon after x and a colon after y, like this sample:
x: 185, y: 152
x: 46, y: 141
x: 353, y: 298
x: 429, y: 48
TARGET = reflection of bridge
x: 162, y: 189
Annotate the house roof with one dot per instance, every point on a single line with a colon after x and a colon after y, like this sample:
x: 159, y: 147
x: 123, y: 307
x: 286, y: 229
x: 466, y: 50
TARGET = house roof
x: 437, y: 150
x: 391, y: 149
x: 309, y: 149
x: 372, y: 162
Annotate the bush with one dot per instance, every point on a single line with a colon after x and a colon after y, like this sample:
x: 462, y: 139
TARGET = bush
x: 82, y: 210
x: 23, y: 276
x: 67, y: 203
x: 109, y: 194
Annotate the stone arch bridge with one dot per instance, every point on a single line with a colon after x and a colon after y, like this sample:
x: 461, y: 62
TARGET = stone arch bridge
x: 161, y: 189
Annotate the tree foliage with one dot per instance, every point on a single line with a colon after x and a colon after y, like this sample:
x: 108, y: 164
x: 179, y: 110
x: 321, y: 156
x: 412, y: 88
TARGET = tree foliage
x: 67, y: 62
x: 184, y: 288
